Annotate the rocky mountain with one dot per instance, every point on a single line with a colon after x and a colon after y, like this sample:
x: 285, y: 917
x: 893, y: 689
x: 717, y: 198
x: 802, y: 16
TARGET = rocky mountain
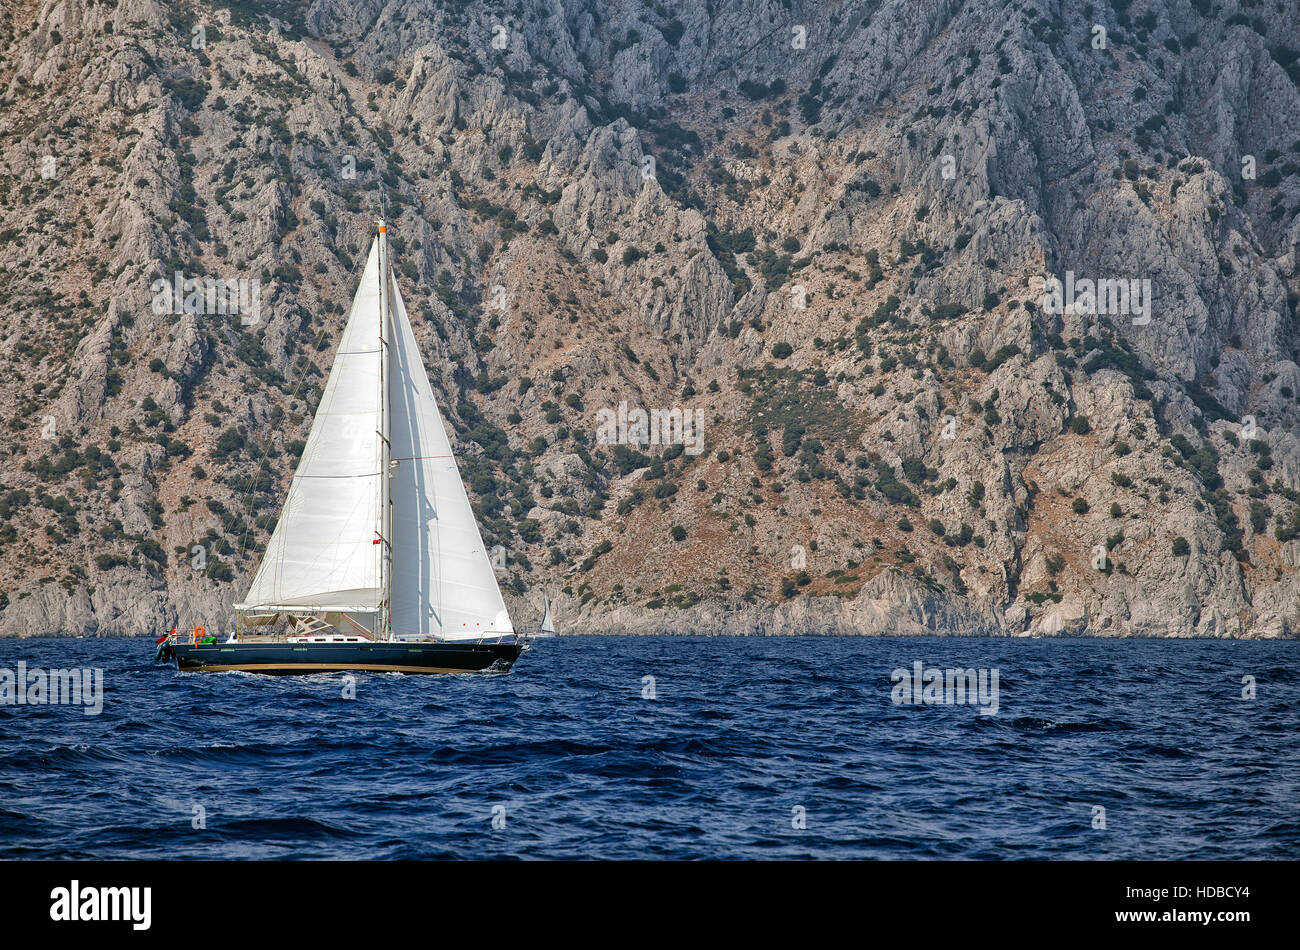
x: 964, y: 316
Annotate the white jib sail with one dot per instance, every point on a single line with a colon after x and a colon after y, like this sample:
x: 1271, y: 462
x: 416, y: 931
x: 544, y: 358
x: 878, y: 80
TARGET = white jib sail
x: 443, y: 582
x: 322, y: 553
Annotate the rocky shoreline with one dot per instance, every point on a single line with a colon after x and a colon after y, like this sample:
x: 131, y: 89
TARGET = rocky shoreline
x: 892, y: 604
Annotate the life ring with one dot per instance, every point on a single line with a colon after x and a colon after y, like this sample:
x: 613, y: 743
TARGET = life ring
x: 199, y: 634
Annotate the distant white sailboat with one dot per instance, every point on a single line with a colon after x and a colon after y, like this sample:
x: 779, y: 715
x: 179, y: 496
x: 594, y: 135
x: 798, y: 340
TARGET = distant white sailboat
x: 547, y: 629
x: 376, y: 562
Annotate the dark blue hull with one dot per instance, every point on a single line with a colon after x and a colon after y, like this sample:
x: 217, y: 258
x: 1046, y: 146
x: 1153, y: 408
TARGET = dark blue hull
x: 288, y: 659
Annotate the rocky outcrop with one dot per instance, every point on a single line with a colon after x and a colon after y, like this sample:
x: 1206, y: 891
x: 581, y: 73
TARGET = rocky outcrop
x: 831, y: 231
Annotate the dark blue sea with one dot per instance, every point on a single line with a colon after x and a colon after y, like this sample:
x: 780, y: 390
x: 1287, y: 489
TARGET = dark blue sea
x: 750, y: 748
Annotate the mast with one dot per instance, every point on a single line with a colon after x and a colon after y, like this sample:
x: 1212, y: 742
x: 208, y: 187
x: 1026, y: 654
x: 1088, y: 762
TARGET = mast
x: 385, y: 447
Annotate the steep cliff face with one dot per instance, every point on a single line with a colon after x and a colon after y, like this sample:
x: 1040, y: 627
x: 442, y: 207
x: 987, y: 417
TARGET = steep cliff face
x: 831, y: 235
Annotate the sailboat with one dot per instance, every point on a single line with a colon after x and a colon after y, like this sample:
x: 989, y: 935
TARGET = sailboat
x: 377, y: 562
x: 547, y: 628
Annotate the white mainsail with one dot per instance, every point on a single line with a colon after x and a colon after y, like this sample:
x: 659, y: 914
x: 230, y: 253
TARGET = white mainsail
x: 323, y: 553
x: 443, y: 582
